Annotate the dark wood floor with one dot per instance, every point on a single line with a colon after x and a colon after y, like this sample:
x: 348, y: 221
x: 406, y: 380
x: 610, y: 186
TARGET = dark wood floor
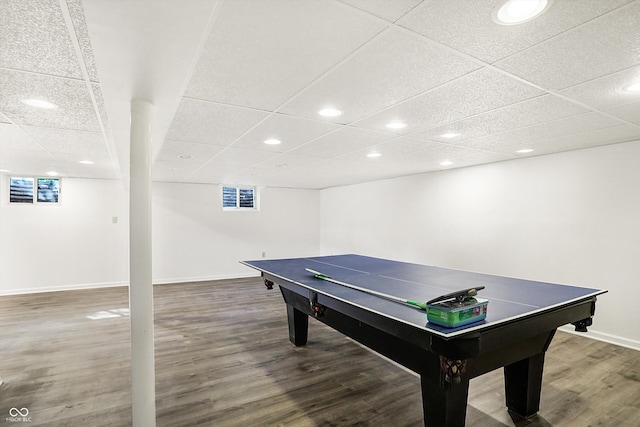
x: 223, y: 359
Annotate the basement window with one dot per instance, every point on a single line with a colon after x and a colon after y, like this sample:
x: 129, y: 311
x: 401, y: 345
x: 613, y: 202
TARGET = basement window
x: 31, y: 190
x: 239, y: 198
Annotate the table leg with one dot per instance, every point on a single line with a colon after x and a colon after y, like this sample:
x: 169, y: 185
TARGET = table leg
x: 523, y: 383
x: 298, y: 326
x: 444, y: 405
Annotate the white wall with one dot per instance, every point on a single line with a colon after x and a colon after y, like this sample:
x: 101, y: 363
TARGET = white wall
x: 75, y: 244
x: 570, y: 218
x: 194, y: 239
x: 70, y: 244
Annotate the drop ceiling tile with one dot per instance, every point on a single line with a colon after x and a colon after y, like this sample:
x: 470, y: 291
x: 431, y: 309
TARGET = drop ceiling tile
x: 391, y: 68
x: 561, y: 128
x: 102, y: 111
x: 467, y: 26
x: 608, y: 91
x: 195, y: 153
x: 231, y: 167
x: 82, y: 143
x: 236, y: 158
x: 522, y: 114
x: 76, y: 13
x: 628, y: 112
x: 595, y: 49
x: 259, y: 53
x: 75, y: 107
x: 211, y: 123
x: 288, y: 161
x: 612, y: 135
x: 171, y: 171
x: 19, y: 162
x: 475, y: 93
x: 425, y: 160
x: 100, y: 161
x: 39, y: 163
x: 385, y: 9
x: 12, y: 137
x: 291, y: 131
x: 344, y: 140
x: 398, y: 146
x: 35, y: 38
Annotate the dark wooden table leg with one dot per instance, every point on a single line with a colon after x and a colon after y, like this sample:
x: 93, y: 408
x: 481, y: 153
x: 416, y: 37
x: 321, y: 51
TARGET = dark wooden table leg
x: 444, y: 405
x: 523, y: 384
x: 298, y: 326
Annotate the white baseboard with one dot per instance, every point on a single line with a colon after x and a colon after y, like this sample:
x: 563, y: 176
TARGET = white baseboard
x: 42, y: 289
x: 604, y: 337
x: 38, y: 290
x: 201, y: 278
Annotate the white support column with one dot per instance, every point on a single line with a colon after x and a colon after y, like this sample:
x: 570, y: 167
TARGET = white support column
x: 143, y: 384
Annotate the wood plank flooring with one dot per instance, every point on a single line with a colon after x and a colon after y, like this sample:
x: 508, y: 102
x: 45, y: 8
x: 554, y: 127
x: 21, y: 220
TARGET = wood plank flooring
x: 223, y: 359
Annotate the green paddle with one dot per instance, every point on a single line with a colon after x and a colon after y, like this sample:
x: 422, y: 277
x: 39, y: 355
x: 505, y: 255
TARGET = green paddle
x: 319, y: 275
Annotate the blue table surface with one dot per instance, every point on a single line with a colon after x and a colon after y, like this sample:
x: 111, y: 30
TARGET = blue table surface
x: 509, y: 298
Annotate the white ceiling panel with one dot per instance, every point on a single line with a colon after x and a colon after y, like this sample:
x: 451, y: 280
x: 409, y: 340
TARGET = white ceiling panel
x: 342, y: 141
x: 289, y: 130
x: 35, y: 38
x: 468, y: 27
x: 238, y: 158
x: 86, y: 145
x: 212, y: 123
x: 475, y: 93
x: 287, y: 161
x: 628, y: 112
x: 76, y: 15
x: 19, y: 162
x: 171, y: 171
x: 261, y: 53
x: 75, y: 107
x: 188, y: 152
x: 385, y: 9
x: 522, y: 114
x: 14, y: 138
x: 598, y: 48
x: 598, y: 137
x: 524, y: 137
x: 608, y: 91
x: 391, y: 68
x: 252, y: 70
x: 400, y: 146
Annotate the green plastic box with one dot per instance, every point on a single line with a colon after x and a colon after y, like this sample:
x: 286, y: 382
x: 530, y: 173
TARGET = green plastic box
x: 452, y: 313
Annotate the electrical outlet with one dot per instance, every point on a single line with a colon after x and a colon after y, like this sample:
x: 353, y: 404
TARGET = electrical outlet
x: 264, y: 254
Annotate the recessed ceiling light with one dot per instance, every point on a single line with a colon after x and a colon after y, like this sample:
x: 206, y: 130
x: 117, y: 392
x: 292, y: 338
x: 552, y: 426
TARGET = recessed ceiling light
x: 330, y: 112
x: 514, y: 12
x: 446, y: 163
x: 39, y: 103
x: 184, y: 156
x: 634, y: 87
x: 450, y: 135
x: 272, y: 141
x: 86, y: 162
x: 396, y: 125
x: 282, y: 165
x: 52, y: 173
x: 373, y: 155
x: 525, y: 150
x: 4, y: 170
